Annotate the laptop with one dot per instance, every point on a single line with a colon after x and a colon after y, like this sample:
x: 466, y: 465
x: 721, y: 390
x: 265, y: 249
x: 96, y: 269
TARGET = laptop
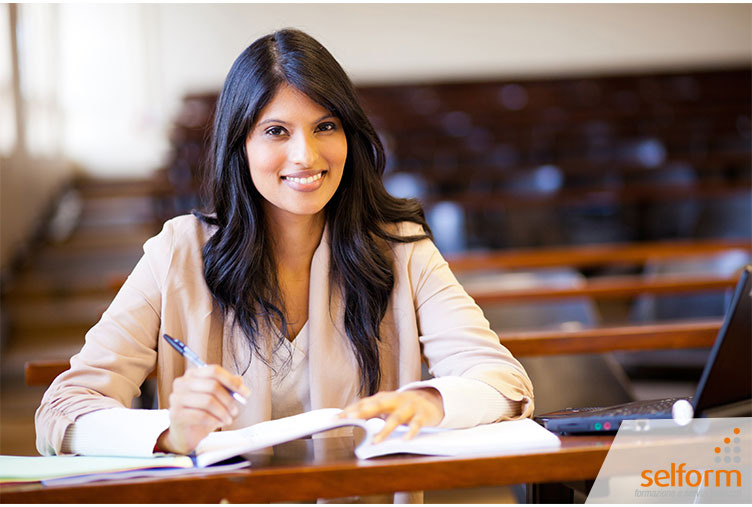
x: 724, y: 390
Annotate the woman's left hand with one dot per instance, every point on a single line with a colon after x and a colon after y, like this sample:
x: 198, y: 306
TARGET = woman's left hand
x: 416, y: 408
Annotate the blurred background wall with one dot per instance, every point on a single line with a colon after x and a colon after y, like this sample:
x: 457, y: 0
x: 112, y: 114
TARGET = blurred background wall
x: 98, y: 85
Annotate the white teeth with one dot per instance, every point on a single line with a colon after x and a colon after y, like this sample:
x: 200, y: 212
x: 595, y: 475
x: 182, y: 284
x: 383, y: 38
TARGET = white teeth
x: 307, y: 180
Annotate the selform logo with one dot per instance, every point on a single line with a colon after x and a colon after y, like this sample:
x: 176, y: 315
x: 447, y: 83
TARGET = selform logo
x: 678, y: 475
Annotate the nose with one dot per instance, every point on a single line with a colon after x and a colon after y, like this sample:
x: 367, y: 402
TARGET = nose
x: 303, y: 150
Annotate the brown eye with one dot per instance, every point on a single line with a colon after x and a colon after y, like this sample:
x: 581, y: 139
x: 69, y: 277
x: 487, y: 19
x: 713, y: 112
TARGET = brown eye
x: 275, y: 131
x: 327, y: 126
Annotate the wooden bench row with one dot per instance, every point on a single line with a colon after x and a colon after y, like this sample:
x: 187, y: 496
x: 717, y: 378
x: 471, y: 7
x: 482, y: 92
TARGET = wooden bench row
x: 593, y: 340
x: 587, y: 256
x: 608, y: 288
x: 675, y: 335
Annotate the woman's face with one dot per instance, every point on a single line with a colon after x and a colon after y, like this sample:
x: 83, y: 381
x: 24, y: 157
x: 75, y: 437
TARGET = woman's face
x: 296, y: 154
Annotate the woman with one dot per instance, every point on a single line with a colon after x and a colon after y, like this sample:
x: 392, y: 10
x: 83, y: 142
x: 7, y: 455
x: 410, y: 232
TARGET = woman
x: 307, y: 282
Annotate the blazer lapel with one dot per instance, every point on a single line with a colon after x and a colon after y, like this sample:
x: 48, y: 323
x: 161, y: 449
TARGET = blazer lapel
x: 334, y: 377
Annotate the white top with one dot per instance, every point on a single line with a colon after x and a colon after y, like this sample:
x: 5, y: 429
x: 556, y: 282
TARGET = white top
x: 290, y: 392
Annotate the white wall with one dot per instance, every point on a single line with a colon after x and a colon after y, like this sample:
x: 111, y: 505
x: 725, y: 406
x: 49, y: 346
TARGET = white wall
x: 108, y: 89
x: 141, y: 59
x: 388, y: 42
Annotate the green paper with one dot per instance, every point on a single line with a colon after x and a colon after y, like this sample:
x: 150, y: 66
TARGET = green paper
x: 38, y: 468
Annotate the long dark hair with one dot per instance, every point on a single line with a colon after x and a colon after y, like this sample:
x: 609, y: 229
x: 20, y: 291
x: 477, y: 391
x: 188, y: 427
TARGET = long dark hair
x: 238, y: 264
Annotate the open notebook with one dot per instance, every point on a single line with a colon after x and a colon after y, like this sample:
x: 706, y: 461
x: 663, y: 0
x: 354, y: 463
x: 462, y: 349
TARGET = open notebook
x: 497, y: 438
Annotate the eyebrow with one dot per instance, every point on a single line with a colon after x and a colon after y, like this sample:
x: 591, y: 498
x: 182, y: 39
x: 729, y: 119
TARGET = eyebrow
x: 275, y: 120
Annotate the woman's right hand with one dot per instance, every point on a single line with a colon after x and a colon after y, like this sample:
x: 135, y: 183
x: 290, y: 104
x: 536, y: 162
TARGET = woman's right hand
x: 200, y: 404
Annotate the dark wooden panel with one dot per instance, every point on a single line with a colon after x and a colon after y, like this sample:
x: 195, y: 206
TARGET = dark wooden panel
x: 611, y: 288
x: 592, y: 255
x: 42, y: 373
x: 674, y: 335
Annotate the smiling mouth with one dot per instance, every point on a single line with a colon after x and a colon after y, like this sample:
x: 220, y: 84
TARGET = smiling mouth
x: 304, y: 180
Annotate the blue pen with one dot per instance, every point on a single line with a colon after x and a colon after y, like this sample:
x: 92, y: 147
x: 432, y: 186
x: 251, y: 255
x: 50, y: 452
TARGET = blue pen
x: 191, y: 356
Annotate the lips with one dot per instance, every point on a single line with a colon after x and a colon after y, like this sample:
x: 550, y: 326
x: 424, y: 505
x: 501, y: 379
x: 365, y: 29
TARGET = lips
x: 304, y: 181
x: 304, y: 178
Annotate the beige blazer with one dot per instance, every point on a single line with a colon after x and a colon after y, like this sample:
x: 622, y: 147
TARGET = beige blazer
x: 429, y: 315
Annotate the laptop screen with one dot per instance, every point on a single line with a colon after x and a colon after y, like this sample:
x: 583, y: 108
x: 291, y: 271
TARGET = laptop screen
x: 727, y: 377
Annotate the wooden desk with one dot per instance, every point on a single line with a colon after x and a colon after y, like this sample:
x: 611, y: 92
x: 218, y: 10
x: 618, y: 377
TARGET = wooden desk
x: 297, y: 471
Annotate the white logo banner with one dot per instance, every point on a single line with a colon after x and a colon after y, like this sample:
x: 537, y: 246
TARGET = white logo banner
x: 660, y: 461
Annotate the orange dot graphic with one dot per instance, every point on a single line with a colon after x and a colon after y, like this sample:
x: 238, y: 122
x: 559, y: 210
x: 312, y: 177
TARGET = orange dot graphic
x: 736, y: 431
x: 717, y: 450
x: 727, y: 440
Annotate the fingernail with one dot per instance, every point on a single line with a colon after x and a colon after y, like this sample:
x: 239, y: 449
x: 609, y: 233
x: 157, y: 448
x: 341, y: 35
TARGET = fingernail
x: 235, y: 411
